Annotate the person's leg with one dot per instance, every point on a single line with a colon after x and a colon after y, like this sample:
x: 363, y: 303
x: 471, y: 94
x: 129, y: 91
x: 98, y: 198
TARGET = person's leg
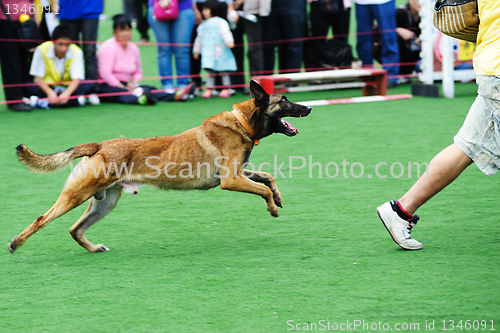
x: 75, y: 26
x: 238, y: 78
x: 83, y: 89
x: 210, y: 83
x: 162, y: 34
x: 293, y: 20
x: 182, y: 30
x: 478, y: 140
x: 89, y: 36
x: 385, y: 14
x: 10, y: 62
x: 33, y: 90
x: 271, y: 39
x: 364, y: 21
x: 255, y: 48
x: 340, y: 24
x: 128, y: 9
x: 195, y: 64
x: 443, y: 169
x: 320, y: 23
x: 120, y: 98
x: 140, y: 6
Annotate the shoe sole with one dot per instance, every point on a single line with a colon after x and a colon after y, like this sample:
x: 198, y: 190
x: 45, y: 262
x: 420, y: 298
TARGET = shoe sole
x: 392, y: 236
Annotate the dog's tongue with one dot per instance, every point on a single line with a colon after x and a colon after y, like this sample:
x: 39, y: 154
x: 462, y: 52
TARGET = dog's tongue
x: 289, y: 126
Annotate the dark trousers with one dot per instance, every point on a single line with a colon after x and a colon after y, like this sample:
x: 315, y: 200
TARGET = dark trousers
x: 83, y: 89
x: 88, y: 29
x: 286, y: 22
x: 239, y: 56
x: 129, y: 99
x: 14, y: 62
x: 254, y: 32
x: 321, y: 21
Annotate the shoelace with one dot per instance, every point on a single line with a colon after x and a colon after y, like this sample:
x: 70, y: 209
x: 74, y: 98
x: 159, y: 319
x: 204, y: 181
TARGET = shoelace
x: 412, y: 223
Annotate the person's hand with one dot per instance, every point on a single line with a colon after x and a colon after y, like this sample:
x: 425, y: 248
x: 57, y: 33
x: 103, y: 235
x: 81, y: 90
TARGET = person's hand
x: 198, y: 18
x: 63, y: 98
x: 230, y: 45
x: 52, y: 97
x: 232, y: 16
x: 196, y: 56
x: 165, y: 3
x: 405, y: 33
x: 131, y: 86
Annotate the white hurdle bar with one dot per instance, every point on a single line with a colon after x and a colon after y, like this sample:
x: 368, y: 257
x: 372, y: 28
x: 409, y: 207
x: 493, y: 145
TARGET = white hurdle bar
x: 363, y: 99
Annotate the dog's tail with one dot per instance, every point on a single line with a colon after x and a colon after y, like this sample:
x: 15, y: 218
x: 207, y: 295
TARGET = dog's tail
x: 53, y: 162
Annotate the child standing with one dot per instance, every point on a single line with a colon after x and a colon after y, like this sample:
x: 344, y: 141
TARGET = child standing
x: 214, y: 43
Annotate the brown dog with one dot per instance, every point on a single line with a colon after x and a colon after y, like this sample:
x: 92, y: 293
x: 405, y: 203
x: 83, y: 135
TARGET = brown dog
x: 200, y: 158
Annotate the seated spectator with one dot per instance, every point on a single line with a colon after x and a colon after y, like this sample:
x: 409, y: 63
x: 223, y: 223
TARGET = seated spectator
x: 119, y: 65
x: 58, y: 69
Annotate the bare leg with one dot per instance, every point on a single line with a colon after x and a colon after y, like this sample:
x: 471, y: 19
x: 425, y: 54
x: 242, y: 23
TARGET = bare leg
x: 443, y: 169
x: 96, y: 210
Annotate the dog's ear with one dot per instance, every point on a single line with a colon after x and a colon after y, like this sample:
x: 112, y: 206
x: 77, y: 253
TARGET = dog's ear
x: 259, y: 94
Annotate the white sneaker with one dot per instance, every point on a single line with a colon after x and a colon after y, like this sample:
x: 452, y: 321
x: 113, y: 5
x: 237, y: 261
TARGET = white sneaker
x: 94, y: 99
x: 81, y: 100
x: 399, y: 228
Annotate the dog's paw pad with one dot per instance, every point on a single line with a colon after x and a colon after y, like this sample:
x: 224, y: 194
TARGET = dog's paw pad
x: 12, y: 247
x: 274, y: 212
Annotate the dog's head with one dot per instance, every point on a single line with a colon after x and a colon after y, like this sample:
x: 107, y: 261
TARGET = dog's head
x: 270, y: 109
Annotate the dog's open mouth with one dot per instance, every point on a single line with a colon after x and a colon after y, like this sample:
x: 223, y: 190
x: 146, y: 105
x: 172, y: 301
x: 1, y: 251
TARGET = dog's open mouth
x: 288, y: 128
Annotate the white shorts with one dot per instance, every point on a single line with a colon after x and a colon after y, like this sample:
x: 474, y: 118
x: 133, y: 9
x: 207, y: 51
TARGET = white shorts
x: 479, y: 136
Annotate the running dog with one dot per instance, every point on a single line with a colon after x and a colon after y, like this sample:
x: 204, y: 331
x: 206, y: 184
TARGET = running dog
x: 203, y: 157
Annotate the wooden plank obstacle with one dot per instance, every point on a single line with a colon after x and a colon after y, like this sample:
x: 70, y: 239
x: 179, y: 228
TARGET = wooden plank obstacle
x: 371, y: 81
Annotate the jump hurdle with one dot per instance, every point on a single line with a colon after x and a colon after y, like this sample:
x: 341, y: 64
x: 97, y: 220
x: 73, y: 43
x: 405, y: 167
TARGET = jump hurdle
x: 371, y: 81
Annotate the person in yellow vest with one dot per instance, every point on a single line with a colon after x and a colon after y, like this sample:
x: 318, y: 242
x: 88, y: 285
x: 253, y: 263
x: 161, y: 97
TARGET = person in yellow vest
x: 58, y: 70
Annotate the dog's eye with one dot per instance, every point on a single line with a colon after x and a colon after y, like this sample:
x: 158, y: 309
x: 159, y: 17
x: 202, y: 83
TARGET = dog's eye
x: 283, y: 99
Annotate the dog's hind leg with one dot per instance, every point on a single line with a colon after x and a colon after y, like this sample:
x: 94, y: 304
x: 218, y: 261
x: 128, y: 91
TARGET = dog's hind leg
x: 96, y: 210
x: 268, y: 180
x: 68, y: 199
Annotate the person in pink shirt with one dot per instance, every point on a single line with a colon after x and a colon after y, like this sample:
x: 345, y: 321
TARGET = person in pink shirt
x: 119, y: 65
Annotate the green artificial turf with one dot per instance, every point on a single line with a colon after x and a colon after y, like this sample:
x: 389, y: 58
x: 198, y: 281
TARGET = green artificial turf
x: 215, y: 261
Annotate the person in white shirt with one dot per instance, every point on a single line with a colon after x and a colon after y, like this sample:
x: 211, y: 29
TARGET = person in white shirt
x: 58, y: 69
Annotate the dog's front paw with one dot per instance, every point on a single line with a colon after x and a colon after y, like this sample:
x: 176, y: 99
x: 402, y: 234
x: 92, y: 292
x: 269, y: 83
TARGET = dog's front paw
x: 277, y: 198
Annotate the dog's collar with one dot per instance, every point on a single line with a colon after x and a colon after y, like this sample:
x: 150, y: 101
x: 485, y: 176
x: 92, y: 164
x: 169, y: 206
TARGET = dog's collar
x: 251, y: 133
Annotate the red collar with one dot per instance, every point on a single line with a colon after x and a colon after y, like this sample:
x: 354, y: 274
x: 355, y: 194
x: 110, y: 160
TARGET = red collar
x: 251, y: 133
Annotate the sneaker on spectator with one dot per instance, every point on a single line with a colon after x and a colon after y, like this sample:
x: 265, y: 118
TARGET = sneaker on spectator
x: 183, y: 94
x: 93, y: 99
x: 207, y: 93
x: 225, y: 93
x: 19, y: 107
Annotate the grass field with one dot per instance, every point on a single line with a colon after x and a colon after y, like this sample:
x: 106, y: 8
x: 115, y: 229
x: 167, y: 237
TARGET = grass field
x: 215, y: 261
